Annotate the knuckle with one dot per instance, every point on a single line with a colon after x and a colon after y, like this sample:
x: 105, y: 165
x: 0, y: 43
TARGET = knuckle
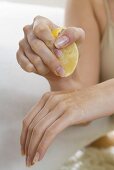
x: 34, y: 44
x: 36, y: 130
x: 62, y: 104
x: 25, y: 122
x: 29, y: 67
x: 82, y: 32
x: 37, y: 61
x: 54, y: 99
x: 30, y: 129
x: 55, y: 63
x: 37, y: 17
x: 46, y: 95
x: 40, y: 46
x: 77, y: 32
x: 39, y: 29
x: 49, y: 132
x: 21, y: 42
x: 37, y: 45
x: 26, y: 28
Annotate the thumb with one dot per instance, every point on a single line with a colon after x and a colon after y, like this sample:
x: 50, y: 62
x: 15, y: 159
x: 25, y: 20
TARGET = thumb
x: 69, y: 36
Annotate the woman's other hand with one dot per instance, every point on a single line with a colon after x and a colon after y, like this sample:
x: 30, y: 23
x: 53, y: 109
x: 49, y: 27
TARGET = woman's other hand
x: 59, y: 110
x: 38, y: 51
x: 51, y: 115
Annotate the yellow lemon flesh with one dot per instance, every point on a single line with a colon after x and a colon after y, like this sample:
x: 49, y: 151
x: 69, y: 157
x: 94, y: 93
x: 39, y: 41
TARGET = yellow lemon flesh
x: 70, y: 55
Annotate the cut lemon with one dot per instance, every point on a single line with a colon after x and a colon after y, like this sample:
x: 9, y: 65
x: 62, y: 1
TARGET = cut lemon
x: 70, y: 55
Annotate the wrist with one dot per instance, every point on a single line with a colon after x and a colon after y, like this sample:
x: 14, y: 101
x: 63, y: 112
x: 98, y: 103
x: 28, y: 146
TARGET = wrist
x: 64, y: 84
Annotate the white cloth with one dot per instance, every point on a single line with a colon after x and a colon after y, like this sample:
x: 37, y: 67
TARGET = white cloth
x: 19, y: 91
x: 91, y: 159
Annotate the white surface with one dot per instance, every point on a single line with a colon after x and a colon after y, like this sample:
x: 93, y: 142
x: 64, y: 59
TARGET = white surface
x: 20, y: 90
x: 56, y: 3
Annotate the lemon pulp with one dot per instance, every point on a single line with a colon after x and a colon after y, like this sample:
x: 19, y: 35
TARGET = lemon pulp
x: 70, y: 55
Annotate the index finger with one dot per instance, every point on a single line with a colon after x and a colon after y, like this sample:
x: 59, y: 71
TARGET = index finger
x: 50, y: 134
x: 42, y: 28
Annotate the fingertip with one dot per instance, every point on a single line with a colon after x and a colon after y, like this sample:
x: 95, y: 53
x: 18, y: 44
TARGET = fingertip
x: 73, y: 34
x: 82, y: 33
x: 36, y: 158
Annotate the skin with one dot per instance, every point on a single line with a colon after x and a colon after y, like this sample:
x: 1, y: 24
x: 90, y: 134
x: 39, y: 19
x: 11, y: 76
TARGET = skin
x: 35, y: 51
x: 77, y: 94
x: 59, y: 110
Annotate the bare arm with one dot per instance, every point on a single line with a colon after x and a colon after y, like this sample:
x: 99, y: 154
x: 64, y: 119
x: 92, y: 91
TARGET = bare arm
x: 80, y: 14
x: 58, y: 110
x: 35, y: 54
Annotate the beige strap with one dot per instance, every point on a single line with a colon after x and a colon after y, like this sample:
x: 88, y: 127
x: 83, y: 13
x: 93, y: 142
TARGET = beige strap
x: 107, y: 8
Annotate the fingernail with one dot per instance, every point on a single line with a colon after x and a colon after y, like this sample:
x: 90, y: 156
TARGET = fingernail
x: 28, y: 162
x: 58, y: 53
x: 36, y: 158
x: 61, y: 41
x: 60, y: 71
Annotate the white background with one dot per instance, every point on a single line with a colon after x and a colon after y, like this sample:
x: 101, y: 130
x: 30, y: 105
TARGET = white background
x: 19, y: 91
x: 56, y: 3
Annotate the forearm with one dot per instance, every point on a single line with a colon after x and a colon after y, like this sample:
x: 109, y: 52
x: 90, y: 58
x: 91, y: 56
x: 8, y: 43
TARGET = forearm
x: 101, y: 100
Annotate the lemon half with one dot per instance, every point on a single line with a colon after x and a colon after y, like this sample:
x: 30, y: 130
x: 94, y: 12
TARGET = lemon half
x: 70, y: 56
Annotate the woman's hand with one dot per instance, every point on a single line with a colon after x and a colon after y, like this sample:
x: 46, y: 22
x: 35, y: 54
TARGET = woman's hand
x: 51, y: 115
x: 59, y: 110
x: 38, y: 51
